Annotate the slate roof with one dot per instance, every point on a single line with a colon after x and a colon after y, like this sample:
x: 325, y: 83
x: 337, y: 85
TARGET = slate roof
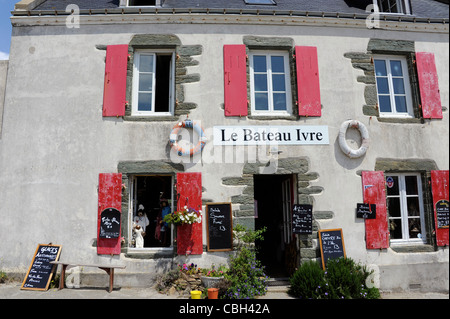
x: 420, y: 8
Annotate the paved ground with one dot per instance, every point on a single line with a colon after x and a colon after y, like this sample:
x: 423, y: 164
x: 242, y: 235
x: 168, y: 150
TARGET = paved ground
x: 13, y: 291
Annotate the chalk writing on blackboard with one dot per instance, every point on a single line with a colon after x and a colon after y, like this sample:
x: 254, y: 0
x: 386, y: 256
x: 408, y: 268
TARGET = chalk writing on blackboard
x: 366, y: 211
x: 40, y: 271
x: 442, y: 213
x: 220, y: 227
x: 110, y: 223
x: 302, y: 219
x: 331, y: 244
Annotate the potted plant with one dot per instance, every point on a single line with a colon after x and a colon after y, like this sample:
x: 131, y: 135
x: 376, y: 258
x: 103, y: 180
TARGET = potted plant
x: 210, y: 277
x: 184, y: 216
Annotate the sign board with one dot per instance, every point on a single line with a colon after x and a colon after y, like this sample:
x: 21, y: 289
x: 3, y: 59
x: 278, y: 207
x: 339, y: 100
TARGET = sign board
x: 219, y: 226
x: 442, y: 213
x: 331, y: 244
x: 271, y: 135
x: 40, y: 271
x: 302, y: 219
x: 366, y: 211
x: 110, y: 223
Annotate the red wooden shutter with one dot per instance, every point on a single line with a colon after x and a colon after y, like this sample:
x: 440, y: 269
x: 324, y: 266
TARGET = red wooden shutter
x: 428, y: 85
x: 189, y: 237
x: 308, y: 84
x: 235, y: 78
x: 377, y: 232
x: 439, y: 185
x: 114, y: 93
x: 109, y: 196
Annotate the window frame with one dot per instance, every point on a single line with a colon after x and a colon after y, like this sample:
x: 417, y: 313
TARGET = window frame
x: 405, y: 6
x: 406, y: 83
x: 270, y: 92
x: 404, y: 211
x: 135, y: 85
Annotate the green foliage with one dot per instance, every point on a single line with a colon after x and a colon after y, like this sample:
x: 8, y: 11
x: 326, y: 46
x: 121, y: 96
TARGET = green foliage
x: 246, y: 276
x: 343, y: 279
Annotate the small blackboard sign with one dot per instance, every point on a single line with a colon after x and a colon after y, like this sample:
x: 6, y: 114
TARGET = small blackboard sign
x: 442, y: 213
x: 41, y: 271
x: 366, y: 211
x: 302, y: 219
x: 219, y: 226
x: 110, y: 223
x: 331, y: 244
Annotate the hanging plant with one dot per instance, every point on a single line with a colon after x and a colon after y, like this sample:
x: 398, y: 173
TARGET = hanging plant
x: 184, y: 216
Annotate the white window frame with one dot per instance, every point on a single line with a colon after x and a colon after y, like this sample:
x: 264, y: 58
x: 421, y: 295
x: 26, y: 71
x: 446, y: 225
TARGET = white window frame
x: 271, y: 111
x: 135, y: 91
x: 404, y: 5
x: 406, y: 83
x: 404, y: 209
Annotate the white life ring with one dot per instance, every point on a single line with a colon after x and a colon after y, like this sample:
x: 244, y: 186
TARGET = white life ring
x: 193, y: 150
x: 364, y: 136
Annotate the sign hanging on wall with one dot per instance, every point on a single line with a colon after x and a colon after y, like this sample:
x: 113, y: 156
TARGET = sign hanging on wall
x: 366, y: 211
x: 275, y: 135
x: 110, y: 223
x: 442, y: 213
x: 302, y: 219
x: 331, y: 244
x: 220, y: 226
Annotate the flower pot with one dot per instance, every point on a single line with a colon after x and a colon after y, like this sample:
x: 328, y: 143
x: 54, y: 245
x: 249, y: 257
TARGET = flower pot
x: 213, y: 293
x: 210, y: 282
x: 195, y: 294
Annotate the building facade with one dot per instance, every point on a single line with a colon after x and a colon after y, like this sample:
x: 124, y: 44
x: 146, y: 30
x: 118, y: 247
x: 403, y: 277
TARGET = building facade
x: 260, y: 106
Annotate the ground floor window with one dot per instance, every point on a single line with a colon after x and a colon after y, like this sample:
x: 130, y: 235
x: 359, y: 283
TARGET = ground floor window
x: 405, y: 208
x: 151, y: 199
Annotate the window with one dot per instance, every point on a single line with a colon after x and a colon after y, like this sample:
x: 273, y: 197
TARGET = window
x: 270, y: 83
x: 405, y: 208
x: 153, y: 87
x: 151, y: 199
x: 393, y: 87
x: 139, y: 3
x: 394, y: 6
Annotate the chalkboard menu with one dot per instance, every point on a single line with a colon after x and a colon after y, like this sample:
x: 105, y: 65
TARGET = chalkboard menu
x: 110, y: 223
x: 40, y: 271
x: 220, y: 227
x: 442, y: 213
x: 367, y: 211
x: 302, y: 219
x: 331, y: 244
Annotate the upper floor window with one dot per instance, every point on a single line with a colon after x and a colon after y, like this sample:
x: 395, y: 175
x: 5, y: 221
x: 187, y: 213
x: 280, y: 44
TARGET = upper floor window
x: 270, y: 83
x: 140, y: 3
x: 259, y: 2
x: 405, y: 205
x: 394, y: 6
x: 393, y: 86
x: 153, y: 83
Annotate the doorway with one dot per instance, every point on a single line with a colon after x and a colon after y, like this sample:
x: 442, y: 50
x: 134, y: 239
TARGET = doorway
x: 273, y: 200
x: 151, y: 198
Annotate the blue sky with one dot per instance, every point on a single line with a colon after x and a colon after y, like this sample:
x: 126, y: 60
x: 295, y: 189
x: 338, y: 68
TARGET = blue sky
x: 6, y: 6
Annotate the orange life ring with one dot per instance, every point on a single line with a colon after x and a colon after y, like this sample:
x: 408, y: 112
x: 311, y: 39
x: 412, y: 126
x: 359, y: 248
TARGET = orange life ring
x: 193, y: 150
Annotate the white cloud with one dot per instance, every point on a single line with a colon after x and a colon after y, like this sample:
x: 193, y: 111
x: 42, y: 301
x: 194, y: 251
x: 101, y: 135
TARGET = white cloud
x: 4, y: 56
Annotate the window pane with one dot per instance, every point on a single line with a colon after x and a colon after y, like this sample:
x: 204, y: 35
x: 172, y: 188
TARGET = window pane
x: 400, y: 104
x: 393, y: 205
x: 278, y: 82
x: 385, y: 103
x: 261, y: 102
x: 396, y: 68
x: 146, y: 63
x: 415, y: 229
x: 395, y: 227
x: 413, y: 206
x: 145, y: 82
x: 279, y: 101
x: 411, y: 185
x: 380, y: 68
x: 392, y: 185
x: 145, y: 102
x: 261, y: 82
x: 277, y: 64
x: 399, y: 87
x: 382, y: 86
x: 259, y: 63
